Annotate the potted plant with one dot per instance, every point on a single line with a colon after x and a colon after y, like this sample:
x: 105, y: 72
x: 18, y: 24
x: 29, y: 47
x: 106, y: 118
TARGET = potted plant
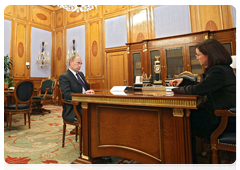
x: 8, y: 64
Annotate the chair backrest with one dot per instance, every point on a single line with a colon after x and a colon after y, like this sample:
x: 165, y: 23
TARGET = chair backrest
x: 49, y: 83
x: 61, y: 96
x: 189, y: 75
x: 23, y: 91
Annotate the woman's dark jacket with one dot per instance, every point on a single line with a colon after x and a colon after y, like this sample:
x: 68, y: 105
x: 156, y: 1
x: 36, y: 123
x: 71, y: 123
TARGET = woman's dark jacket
x: 218, y: 84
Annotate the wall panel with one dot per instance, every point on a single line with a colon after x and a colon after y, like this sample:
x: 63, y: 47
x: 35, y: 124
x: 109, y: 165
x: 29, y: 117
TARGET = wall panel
x: 95, y: 13
x: 139, y: 25
x: 41, y: 16
x: 234, y: 16
x: 37, y: 37
x: 7, y: 37
x: 59, y: 18
x: 210, y: 17
x: 171, y: 20
x: 96, y: 84
x: 59, y: 59
x: 95, y: 64
x: 108, y: 9
x: 73, y: 17
x: 20, y: 52
x: 77, y: 33
x: 116, y: 27
x: 22, y: 12
x: 8, y: 11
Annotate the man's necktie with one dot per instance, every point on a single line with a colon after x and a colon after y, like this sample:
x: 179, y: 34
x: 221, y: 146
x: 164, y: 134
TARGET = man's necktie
x: 81, y: 82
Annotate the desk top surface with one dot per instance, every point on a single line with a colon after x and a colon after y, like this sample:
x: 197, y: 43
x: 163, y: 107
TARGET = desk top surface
x: 141, y: 98
x: 138, y: 94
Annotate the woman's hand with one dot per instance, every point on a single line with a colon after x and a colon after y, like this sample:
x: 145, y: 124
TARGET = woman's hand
x: 176, y: 82
x: 89, y: 92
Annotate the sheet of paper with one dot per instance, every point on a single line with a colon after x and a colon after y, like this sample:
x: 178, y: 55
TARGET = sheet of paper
x: 118, y: 89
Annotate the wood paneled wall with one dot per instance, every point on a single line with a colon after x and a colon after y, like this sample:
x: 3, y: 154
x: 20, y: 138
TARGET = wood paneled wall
x: 140, y: 26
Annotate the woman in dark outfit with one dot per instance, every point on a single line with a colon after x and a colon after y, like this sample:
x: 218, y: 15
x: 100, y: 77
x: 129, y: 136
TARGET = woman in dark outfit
x: 218, y: 85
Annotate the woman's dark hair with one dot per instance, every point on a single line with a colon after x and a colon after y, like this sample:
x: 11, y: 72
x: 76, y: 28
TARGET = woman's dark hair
x: 216, y: 52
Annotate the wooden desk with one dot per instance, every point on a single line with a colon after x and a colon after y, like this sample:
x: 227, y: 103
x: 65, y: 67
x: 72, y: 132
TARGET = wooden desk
x: 148, y: 127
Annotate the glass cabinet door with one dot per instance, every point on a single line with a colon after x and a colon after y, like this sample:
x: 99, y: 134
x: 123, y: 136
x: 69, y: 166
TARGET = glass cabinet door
x: 196, y: 68
x: 174, y: 59
x: 228, y: 46
x: 137, y: 65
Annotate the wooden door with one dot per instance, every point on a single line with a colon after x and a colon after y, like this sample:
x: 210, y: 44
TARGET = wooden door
x: 117, y: 69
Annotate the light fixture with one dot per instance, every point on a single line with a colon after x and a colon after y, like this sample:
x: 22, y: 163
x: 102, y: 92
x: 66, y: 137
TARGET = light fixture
x: 73, y: 50
x: 43, y: 56
x: 77, y: 8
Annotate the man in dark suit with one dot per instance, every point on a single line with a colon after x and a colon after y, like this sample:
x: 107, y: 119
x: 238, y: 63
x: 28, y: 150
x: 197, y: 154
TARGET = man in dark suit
x: 73, y: 81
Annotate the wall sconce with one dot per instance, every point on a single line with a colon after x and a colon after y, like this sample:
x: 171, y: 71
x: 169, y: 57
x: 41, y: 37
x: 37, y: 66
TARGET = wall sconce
x: 233, y: 65
x: 73, y: 51
x: 43, y: 57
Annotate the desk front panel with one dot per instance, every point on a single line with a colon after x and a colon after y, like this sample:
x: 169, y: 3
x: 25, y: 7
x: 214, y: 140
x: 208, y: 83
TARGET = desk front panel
x: 143, y: 134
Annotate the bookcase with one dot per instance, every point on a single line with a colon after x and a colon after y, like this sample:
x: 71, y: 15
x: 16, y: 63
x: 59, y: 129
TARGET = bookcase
x: 177, y: 53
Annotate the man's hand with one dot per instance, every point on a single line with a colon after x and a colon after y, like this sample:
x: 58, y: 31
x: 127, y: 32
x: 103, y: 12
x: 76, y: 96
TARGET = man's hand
x: 89, y: 92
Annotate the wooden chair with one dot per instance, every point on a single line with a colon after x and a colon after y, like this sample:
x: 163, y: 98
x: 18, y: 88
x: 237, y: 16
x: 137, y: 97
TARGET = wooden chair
x: 76, y: 124
x: 195, y: 77
x: 46, y: 95
x: 23, y: 93
x: 222, y: 138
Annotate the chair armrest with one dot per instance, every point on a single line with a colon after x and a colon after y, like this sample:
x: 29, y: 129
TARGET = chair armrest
x: 7, y: 95
x: 38, y: 90
x: 230, y: 112
x: 75, y: 104
x: 67, y: 102
x: 223, y: 124
x: 49, y: 95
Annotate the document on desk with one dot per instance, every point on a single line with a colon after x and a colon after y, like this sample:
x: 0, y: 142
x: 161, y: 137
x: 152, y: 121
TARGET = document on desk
x: 118, y: 90
x: 169, y: 88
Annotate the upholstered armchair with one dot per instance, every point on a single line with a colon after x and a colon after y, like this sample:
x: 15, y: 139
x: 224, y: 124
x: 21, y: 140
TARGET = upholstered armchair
x: 224, y: 137
x: 46, y: 94
x: 23, y: 93
x: 189, y: 75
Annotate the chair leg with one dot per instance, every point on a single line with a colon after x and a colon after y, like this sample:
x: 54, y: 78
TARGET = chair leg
x: 7, y: 118
x: 29, y: 123
x: 10, y: 121
x: 76, y: 133
x: 214, y: 156
x: 64, y: 130
x: 24, y: 118
x: 80, y: 139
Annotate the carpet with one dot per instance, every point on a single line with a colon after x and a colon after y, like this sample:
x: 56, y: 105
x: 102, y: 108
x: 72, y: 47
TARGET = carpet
x: 40, y: 147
